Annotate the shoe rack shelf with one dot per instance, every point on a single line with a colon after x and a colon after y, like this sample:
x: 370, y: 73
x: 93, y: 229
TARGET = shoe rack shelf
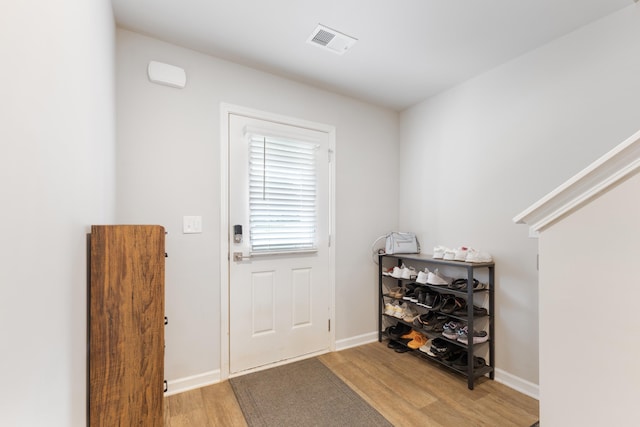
x: 471, y: 319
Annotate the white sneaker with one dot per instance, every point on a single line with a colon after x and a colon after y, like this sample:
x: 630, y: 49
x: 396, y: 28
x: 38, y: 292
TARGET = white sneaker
x: 438, y: 252
x: 437, y: 280
x: 449, y: 255
x: 409, y: 273
x: 422, y: 276
x: 397, y: 272
x: 427, y: 348
x: 460, y: 254
x: 478, y: 256
x: 389, y: 309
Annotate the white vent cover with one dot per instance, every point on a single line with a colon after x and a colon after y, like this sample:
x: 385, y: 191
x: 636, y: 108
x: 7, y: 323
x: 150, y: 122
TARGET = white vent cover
x: 331, y: 40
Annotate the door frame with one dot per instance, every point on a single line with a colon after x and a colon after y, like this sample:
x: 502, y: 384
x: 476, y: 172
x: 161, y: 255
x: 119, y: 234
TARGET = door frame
x: 225, y: 279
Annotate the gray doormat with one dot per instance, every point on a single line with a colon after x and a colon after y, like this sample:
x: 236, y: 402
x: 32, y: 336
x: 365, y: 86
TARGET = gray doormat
x: 303, y: 394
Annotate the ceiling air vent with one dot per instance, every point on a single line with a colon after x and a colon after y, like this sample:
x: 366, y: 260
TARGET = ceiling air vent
x: 332, y: 40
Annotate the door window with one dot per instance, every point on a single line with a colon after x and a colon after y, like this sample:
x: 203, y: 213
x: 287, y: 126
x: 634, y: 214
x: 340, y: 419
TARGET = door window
x: 282, y: 195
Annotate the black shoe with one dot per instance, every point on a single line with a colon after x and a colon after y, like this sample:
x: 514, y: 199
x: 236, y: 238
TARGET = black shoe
x: 398, y: 330
x: 432, y: 300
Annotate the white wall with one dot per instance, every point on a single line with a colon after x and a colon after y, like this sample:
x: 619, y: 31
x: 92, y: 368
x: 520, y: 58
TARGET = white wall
x: 168, y: 166
x: 474, y: 156
x: 57, y: 161
x: 589, y: 371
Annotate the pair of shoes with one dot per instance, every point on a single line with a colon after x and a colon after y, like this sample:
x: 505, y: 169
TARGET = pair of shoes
x: 441, y: 348
x: 451, y: 303
x: 475, y: 256
x: 437, y: 279
x: 406, y: 313
x: 448, y: 254
x: 396, y: 332
x: 404, y: 272
x: 430, y: 322
x: 462, y: 285
x: 398, y: 311
x: 397, y: 292
x: 438, y: 252
x: 432, y: 300
x: 477, y: 312
x: 423, y: 276
x: 453, y: 356
x: 451, y: 328
x: 389, y: 309
x: 462, y: 253
x: 417, y: 339
x: 397, y: 346
x: 478, y: 336
x: 463, y: 360
x: 409, y: 314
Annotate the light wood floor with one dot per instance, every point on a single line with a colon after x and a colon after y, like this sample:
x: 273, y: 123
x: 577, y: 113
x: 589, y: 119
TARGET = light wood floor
x: 406, y: 390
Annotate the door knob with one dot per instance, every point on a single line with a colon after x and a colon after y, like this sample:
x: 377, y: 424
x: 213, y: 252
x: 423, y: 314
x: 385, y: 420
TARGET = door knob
x: 239, y: 256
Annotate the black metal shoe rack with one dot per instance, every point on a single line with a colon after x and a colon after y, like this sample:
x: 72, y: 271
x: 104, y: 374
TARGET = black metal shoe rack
x: 419, y: 262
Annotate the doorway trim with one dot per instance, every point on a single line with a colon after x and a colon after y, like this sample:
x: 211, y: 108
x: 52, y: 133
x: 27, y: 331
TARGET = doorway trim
x: 225, y: 111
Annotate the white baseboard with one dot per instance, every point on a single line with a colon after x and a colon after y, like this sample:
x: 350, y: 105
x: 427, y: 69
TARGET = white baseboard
x: 518, y: 384
x: 195, y: 381
x: 356, y: 341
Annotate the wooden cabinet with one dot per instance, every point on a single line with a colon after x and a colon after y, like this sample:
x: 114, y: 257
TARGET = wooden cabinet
x: 126, y: 325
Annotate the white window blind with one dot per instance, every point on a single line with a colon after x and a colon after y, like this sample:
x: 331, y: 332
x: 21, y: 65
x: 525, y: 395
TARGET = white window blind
x: 282, y: 195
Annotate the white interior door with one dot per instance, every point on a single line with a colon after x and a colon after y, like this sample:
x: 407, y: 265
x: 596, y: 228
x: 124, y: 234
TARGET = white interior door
x: 279, y: 268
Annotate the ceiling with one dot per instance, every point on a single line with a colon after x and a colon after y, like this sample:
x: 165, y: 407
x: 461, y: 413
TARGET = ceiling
x: 407, y: 50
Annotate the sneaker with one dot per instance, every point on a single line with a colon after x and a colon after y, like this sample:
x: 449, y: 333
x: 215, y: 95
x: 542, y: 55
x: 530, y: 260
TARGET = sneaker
x: 450, y: 330
x: 478, y: 256
x: 409, y: 314
x: 478, y: 336
x: 409, y: 273
x: 440, y: 348
x: 398, y: 311
x: 389, y: 309
x: 460, y: 254
x: 437, y: 280
x: 397, y: 272
x: 388, y: 271
x: 418, y: 341
x: 438, y: 252
x: 426, y: 347
x: 422, y: 276
x: 449, y: 255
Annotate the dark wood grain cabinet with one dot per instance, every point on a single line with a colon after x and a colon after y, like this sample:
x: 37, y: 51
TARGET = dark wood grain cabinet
x: 126, y: 325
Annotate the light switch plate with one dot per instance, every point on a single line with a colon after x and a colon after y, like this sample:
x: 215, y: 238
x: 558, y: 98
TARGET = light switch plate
x: 191, y: 224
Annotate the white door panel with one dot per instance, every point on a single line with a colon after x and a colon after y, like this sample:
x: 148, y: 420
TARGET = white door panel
x: 278, y: 302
